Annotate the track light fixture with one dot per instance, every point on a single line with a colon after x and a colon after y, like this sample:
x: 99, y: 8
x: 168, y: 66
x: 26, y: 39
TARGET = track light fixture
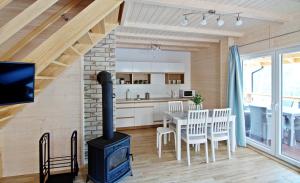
x: 239, y: 21
x: 204, y: 20
x: 220, y: 21
x: 184, y: 20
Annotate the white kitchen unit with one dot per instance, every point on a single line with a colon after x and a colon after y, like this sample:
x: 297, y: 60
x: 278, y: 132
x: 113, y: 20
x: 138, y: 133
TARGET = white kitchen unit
x: 141, y: 67
x: 142, y: 113
x: 124, y: 115
x: 124, y: 66
x: 154, y: 67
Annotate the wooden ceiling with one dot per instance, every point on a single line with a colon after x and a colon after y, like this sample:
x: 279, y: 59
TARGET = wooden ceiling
x: 158, y: 21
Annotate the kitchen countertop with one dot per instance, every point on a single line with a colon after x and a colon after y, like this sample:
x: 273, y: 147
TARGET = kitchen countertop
x: 158, y: 99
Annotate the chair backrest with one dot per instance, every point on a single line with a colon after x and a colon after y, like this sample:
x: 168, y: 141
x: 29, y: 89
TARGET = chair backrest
x: 44, y: 157
x: 220, y: 123
x: 175, y: 106
x: 197, y: 123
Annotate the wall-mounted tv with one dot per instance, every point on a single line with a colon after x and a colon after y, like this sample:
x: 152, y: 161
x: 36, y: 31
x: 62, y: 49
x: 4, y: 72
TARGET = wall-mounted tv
x: 16, y: 82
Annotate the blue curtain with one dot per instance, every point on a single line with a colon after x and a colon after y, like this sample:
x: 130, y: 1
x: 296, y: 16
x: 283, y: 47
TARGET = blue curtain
x: 235, y: 93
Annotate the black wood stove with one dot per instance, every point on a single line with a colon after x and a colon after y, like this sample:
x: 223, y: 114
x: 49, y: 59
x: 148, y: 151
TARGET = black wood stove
x: 109, y: 155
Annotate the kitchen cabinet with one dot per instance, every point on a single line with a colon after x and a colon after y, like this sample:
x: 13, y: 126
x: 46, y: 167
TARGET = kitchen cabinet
x: 176, y: 67
x: 143, y: 114
x: 159, y: 67
x: 124, y: 115
x: 141, y: 67
x: 124, y: 66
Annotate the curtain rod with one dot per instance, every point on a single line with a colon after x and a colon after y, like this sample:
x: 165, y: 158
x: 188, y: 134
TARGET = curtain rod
x: 266, y: 39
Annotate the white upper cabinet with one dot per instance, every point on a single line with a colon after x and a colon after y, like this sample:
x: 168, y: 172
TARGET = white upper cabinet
x: 124, y: 66
x: 176, y: 67
x: 141, y: 67
x: 159, y: 67
x: 154, y: 67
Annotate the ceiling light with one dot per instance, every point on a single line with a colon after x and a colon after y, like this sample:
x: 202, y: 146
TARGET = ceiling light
x: 239, y: 21
x: 204, y: 20
x: 220, y: 21
x: 184, y: 21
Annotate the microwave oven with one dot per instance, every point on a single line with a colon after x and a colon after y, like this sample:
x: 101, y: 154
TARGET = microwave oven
x: 186, y: 93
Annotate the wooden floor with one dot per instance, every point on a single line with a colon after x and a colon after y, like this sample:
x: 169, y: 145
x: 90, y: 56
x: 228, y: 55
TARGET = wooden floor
x: 245, y: 166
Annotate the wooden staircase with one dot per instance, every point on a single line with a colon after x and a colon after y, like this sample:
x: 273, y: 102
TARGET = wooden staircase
x: 69, y: 44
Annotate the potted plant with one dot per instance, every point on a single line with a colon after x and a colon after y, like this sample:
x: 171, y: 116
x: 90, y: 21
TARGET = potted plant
x: 198, y: 100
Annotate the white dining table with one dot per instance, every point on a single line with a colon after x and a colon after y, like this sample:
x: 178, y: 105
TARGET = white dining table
x: 180, y: 119
x: 291, y: 114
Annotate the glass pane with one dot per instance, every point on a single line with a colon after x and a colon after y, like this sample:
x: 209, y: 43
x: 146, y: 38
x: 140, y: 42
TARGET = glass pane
x: 257, y: 83
x: 290, y: 126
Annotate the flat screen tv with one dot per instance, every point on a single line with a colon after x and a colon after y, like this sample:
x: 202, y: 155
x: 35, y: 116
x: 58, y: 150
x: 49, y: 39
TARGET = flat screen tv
x: 16, y: 82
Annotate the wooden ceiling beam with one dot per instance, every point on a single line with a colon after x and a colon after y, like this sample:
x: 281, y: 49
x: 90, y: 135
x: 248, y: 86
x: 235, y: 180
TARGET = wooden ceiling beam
x: 3, y: 3
x: 169, y: 38
x: 205, y: 31
x: 38, y: 30
x: 163, y: 43
x: 221, y: 8
x: 25, y: 17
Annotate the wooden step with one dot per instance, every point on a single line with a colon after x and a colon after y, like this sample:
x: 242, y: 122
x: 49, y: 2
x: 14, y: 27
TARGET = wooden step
x: 44, y: 77
x: 3, y: 119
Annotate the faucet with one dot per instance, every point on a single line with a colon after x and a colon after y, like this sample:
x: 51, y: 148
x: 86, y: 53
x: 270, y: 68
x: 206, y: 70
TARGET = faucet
x: 127, y: 94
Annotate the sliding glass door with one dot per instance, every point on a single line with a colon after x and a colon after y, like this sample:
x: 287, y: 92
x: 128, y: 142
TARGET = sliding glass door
x: 272, y: 102
x: 289, y: 126
x: 257, y: 83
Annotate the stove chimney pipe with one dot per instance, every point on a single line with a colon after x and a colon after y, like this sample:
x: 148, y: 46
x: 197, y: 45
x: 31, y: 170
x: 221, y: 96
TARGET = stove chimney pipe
x: 104, y: 78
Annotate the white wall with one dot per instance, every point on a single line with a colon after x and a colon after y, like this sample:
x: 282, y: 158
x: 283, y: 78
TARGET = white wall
x: 159, y: 89
x: 58, y: 110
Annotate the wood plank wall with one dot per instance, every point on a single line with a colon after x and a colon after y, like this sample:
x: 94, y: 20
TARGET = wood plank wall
x: 205, y: 74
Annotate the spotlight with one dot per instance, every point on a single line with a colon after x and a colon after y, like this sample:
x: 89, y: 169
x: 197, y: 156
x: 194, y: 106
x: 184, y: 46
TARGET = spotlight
x: 239, y: 21
x: 184, y: 21
x: 204, y: 20
x: 220, y: 21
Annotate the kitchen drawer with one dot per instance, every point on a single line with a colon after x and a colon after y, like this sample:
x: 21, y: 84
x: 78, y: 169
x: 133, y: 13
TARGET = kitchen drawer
x: 124, y: 122
x: 124, y: 112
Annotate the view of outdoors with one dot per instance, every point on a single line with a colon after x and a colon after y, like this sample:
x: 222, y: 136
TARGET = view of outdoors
x: 257, y: 99
x: 257, y: 81
x: 290, y: 105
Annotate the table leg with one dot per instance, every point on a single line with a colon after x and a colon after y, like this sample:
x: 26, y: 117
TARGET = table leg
x: 292, y: 139
x: 178, y: 136
x: 233, y: 136
x: 165, y: 125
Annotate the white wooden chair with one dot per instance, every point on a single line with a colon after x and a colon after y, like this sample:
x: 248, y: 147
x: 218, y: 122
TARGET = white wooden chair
x: 196, y: 131
x: 175, y: 106
x: 219, y: 129
x: 160, y: 131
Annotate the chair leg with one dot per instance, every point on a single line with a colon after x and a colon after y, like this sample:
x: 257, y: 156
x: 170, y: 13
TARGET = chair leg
x: 175, y: 143
x: 228, y: 148
x: 206, y: 152
x: 216, y: 145
x: 159, y: 146
x: 213, y: 150
x: 188, y: 153
x: 156, y: 140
